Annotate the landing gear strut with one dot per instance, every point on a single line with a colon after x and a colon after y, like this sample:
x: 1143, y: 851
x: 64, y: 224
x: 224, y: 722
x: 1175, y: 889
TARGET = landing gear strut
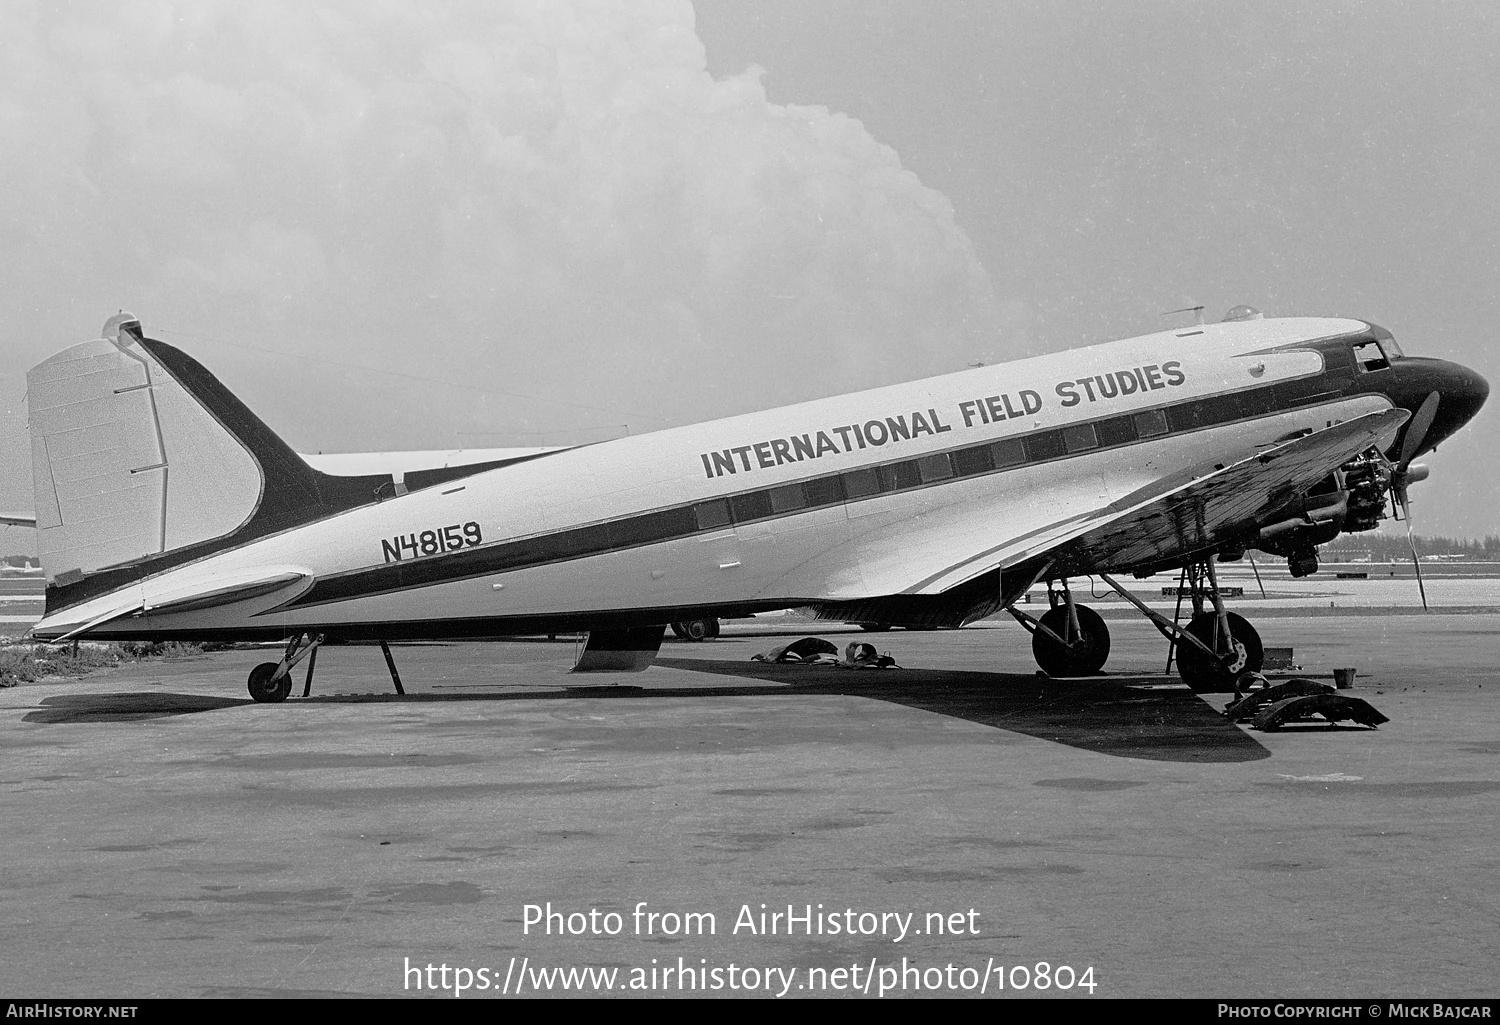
x: 1217, y: 645
x: 1235, y: 642
x: 265, y: 686
x: 1070, y: 639
x: 271, y: 682
x: 1228, y: 644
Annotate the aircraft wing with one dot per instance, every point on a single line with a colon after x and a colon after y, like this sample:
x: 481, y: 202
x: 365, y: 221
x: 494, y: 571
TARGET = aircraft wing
x: 1181, y: 512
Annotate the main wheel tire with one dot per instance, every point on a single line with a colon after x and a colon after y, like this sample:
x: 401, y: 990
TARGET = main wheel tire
x: 695, y: 629
x: 1200, y: 673
x: 1085, y: 659
x: 713, y: 626
x: 263, y: 690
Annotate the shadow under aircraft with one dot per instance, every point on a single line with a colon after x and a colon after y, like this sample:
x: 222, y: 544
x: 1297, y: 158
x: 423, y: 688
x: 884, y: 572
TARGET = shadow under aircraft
x: 1105, y: 717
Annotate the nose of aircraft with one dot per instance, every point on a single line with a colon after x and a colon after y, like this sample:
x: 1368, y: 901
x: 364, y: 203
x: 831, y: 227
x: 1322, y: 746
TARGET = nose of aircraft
x: 1461, y: 392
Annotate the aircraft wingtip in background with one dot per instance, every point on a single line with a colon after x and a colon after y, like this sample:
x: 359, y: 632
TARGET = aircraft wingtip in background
x: 167, y: 509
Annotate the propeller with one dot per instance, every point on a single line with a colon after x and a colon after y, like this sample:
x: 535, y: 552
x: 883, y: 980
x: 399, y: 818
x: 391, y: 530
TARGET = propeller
x: 1404, y: 474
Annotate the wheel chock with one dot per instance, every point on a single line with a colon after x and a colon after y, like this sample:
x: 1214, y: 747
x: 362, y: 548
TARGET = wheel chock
x: 807, y: 651
x: 1332, y: 707
x: 1246, y: 707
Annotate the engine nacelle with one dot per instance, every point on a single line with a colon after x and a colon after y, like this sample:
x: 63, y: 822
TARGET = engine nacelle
x: 1368, y: 481
x: 1350, y: 500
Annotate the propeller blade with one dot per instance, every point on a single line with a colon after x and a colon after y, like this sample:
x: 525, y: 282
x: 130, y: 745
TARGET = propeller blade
x: 1411, y: 543
x: 1416, y: 430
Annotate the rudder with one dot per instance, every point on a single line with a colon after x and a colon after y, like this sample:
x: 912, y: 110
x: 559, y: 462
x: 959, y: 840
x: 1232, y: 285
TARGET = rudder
x: 125, y: 464
x: 142, y: 459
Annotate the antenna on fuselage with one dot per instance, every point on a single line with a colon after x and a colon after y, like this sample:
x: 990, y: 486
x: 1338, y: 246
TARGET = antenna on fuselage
x: 1196, y: 311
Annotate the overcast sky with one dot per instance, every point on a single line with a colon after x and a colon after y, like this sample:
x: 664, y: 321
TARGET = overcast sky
x: 423, y: 225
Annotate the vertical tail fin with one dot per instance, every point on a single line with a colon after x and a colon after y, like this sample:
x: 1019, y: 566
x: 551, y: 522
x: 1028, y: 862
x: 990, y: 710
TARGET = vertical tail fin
x: 125, y: 463
x: 141, y: 459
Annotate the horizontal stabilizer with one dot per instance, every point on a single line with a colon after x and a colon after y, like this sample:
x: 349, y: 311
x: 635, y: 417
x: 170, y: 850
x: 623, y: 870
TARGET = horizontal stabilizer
x: 148, y: 600
x: 122, y: 606
x: 224, y: 589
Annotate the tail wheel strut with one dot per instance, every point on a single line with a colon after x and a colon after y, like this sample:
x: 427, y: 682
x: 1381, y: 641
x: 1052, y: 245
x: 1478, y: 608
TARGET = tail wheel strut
x: 271, y: 682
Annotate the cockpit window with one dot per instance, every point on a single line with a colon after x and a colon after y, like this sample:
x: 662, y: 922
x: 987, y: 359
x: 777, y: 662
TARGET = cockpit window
x: 1369, y: 357
x: 1392, y: 349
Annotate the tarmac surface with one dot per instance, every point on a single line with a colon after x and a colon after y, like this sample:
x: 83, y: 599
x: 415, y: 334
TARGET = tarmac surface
x: 163, y: 836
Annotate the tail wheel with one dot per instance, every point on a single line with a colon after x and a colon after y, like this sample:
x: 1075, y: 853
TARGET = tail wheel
x: 1242, y: 650
x: 265, y: 691
x: 1084, y: 658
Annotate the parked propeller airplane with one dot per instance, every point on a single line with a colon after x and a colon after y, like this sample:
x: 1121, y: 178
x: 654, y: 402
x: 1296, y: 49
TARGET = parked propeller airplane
x: 165, y: 509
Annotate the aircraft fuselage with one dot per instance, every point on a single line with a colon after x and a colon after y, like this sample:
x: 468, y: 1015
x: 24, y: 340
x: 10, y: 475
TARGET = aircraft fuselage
x: 826, y: 503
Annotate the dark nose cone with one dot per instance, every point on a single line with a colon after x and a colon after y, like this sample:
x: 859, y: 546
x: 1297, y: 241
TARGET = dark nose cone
x: 1461, y: 393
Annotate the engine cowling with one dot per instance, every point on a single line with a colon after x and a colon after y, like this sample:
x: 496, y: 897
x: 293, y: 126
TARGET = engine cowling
x: 1350, y: 500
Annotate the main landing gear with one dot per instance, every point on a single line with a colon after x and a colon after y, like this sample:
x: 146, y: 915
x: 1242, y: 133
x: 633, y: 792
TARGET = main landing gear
x: 271, y: 682
x: 1070, y: 639
x: 697, y: 629
x: 1213, y: 650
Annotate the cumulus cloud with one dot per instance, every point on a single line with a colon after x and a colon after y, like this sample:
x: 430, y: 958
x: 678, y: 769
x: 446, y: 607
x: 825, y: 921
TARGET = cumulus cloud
x: 535, y: 197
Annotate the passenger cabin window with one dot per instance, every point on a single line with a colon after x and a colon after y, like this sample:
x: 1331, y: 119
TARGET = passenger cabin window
x: 754, y: 506
x: 935, y: 467
x: 1080, y: 438
x: 788, y: 499
x: 713, y: 513
x: 1368, y: 356
x: 1151, y: 423
x: 824, y: 491
x: 1010, y: 452
x: 859, y: 483
x: 1045, y: 445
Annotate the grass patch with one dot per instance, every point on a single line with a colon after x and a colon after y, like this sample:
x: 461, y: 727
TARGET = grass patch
x: 24, y: 662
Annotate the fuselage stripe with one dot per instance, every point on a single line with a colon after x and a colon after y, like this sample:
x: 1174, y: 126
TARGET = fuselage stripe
x: 817, y: 493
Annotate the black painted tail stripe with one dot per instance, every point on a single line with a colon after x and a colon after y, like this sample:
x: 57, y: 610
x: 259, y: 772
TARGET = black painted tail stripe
x: 292, y: 492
